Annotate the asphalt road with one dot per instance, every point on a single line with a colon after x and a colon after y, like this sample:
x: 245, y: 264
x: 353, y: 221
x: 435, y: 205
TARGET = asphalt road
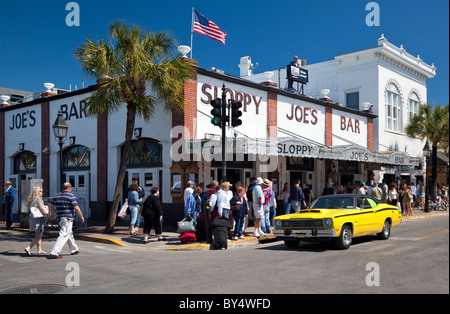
x: 414, y: 260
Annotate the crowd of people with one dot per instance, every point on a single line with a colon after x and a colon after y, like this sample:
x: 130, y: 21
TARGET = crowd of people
x: 239, y: 203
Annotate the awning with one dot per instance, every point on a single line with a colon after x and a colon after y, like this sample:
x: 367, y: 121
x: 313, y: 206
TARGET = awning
x: 298, y: 147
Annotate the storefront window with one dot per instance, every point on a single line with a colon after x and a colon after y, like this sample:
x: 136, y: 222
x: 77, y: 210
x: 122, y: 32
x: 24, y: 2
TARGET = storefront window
x: 145, y: 153
x: 76, y: 157
x: 25, y: 162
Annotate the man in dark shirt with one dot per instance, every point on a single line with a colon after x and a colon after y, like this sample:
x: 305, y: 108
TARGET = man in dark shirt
x: 328, y: 190
x: 297, y: 196
x: 307, y: 193
x: 64, y: 205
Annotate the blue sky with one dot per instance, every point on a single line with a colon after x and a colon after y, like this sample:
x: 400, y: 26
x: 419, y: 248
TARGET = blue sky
x: 37, y: 46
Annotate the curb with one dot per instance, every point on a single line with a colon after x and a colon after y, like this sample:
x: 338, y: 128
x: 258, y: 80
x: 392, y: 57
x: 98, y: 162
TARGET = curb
x: 81, y: 237
x: 203, y: 246
x: 425, y: 215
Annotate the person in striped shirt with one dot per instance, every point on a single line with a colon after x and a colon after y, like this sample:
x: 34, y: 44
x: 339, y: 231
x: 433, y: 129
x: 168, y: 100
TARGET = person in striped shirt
x: 63, y: 207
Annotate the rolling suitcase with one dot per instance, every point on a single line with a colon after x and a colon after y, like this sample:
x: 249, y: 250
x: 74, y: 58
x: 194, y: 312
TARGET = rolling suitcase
x: 187, y: 237
x: 221, y: 228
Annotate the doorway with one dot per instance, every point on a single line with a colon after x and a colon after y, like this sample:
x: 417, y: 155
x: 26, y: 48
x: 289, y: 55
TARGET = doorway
x: 80, y: 181
x: 147, y: 178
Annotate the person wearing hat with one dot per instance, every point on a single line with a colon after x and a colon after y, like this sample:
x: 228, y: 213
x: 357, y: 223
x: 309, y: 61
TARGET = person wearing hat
x: 267, y: 190
x: 258, y: 200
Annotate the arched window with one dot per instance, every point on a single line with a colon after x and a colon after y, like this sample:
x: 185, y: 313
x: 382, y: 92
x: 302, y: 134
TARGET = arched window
x: 413, y: 105
x: 25, y: 162
x: 145, y: 152
x: 393, y: 108
x: 76, y: 157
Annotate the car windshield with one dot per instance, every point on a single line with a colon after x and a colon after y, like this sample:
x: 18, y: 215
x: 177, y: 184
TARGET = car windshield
x: 333, y: 203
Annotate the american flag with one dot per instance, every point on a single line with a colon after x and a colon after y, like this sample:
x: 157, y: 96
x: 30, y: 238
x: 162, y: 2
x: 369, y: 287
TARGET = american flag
x: 206, y: 27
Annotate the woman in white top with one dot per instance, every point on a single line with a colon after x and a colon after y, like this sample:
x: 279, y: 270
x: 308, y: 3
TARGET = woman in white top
x: 392, y: 195
x: 223, y: 200
x: 37, y: 224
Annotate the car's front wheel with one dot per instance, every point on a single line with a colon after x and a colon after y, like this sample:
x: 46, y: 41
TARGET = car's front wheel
x: 344, y: 240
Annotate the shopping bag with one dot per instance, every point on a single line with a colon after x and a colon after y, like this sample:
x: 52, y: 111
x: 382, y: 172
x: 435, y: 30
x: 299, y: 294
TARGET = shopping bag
x: 123, y: 210
x: 35, y: 212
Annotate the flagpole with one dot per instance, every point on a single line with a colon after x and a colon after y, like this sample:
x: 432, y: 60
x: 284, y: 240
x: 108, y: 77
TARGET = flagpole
x: 192, y: 30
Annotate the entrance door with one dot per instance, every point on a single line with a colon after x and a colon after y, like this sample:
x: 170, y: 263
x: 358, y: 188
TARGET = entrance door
x: 80, y: 188
x: 147, y: 178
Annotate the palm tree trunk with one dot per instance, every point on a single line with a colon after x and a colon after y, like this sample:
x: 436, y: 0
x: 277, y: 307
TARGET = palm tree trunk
x: 131, y: 117
x: 433, y: 180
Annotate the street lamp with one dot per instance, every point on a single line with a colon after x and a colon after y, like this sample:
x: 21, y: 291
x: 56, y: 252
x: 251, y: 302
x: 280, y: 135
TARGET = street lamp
x: 426, y: 153
x: 60, y: 130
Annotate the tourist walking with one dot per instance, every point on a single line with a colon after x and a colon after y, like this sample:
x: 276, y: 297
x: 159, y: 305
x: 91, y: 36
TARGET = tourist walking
x: 63, y: 208
x: 37, y: 224
x: 153, y: 215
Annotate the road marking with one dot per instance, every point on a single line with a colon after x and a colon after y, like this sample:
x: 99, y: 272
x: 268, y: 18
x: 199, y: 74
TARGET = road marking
x: 109, y: 249
x: 399, y: 250
x: 404, y: 239
x: 428, y: 235
x: 15, y: 259
x: 371, y: 247
x: 427, y: 252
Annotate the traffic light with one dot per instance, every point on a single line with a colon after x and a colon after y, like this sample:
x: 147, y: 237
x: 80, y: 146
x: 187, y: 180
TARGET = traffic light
x: 216, y: 112
x: 236, y: 113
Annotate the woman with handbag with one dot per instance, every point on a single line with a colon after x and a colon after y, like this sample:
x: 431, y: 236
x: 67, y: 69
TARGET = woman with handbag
x: 38, y: 217
x: 239, y: 209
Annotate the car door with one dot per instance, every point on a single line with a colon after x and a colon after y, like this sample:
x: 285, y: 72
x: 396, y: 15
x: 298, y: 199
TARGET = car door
x: 365, y: 220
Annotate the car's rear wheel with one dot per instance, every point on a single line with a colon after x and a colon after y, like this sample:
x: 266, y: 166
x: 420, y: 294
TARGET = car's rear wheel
x: 291, y: 243
x: 386, y: 232
x: 344, y: 240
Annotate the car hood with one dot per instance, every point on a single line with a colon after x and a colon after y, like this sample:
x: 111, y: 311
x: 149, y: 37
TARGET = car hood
x: 316, y: 214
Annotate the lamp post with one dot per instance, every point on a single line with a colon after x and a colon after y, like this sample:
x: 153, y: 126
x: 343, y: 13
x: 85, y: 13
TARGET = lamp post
x: 426, y: 153
x: 60, y: 128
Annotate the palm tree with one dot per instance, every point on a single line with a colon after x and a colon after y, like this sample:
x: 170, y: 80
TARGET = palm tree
x: 431, y: 123
x: 124, y: 65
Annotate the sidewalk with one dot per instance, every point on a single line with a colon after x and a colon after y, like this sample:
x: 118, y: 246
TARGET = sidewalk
x: 121, y: 236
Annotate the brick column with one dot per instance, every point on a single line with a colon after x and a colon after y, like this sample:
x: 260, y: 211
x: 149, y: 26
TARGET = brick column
x: 328, y: 126
x: 188, y: 119
x: 272, y: 102
x: 190, y: 105
x: 45, y: 143
x: 370, y: 133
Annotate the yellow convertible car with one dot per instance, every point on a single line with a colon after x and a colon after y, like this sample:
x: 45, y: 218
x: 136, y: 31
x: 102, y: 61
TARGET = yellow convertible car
x: 338, y: 218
